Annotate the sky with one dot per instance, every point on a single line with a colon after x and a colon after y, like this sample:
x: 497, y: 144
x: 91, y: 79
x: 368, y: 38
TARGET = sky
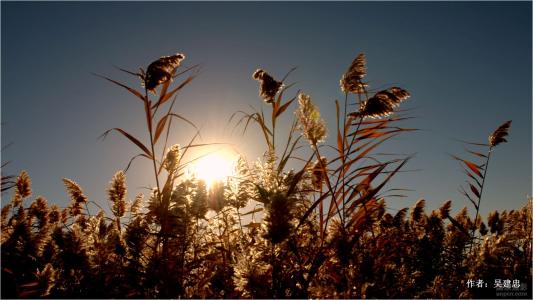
x: 467, y: 66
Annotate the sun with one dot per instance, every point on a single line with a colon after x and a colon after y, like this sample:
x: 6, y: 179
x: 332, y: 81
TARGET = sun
x: 214, y: 167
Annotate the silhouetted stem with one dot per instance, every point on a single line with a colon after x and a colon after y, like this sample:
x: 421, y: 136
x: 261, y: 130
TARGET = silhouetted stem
x: 343, y: 155
x: 159, y: 198
x: 152, y: 147
x: 330, y: 188
x: 480, y: 194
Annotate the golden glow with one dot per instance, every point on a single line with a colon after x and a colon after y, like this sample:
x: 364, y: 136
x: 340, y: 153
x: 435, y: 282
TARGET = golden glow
x: 214, y: 167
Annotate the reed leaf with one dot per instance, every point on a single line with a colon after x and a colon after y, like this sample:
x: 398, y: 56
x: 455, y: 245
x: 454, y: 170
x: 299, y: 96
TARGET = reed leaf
x: 131, y: 138
x: 168, y: 95
x: 472, y: 166
x: 131, y: 90
x: 475, y: 190
x: 280, y: 110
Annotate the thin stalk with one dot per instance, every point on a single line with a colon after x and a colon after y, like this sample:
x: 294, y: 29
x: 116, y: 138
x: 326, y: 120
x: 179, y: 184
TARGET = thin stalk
x: 274, y: 135
x: 159, y: 198
x: 330, y: 188
x: 480, y: 194
x: 152, y: 146
x: 351, y: 143
x: 321, y: 213
x: 240, y: 222
x: 358, y: 124
x: 350, y: 148
x: 343, y: 155
x: 343, y: 158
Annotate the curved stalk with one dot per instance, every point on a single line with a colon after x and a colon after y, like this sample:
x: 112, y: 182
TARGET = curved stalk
x: 480, y: 195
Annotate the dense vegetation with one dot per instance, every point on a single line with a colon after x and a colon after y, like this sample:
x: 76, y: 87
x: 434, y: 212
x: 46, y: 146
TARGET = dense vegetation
x: 321, y: 231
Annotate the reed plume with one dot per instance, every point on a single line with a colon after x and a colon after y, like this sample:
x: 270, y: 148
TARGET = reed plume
x: 160, y: 71
x: 382, y: 104
x: 498, y: 136
x: 117, y: 194
x: 23, y: 187
x: 76, y: 195
x: 477, y: 172
x: 310, y: 123
x: 269, y: 87
x: 351, y: 80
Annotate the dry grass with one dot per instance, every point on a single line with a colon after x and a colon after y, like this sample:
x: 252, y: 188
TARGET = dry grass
x: 324, y: 232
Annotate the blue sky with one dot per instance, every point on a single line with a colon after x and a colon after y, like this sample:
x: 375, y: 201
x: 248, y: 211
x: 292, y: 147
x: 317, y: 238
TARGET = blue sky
x: 467, y: 66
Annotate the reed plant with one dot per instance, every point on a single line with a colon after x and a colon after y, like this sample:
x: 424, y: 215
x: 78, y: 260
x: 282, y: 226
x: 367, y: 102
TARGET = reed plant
x: 308, y: 219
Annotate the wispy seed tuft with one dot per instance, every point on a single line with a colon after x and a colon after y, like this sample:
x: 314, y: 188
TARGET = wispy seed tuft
x: 75, y: 191
x: 382, y: 104
x: 269, y: 86
x: 498, y: 136
x: 117, y: 194
x: 172, y: 158
x: 160, y: 71
x: 351, y: 80
x: 23, y: 185
x: 310, y: 123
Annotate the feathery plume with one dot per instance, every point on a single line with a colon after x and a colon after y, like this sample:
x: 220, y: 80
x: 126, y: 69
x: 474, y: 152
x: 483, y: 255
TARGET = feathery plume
x: 310, y: 123
x: 55, y: 214
x: 137, y: 202
x: 498, y: 136
x: 75, y: 191
x: 417, y: 211
x: 382, y: 104
x: 23, y: 185
x: 444, y: 210
x: 47, y: 279
x: 172, y: 158
x: 160, y: 71
x: 269, y: 86
x: 117, y: 194
x: 351, y: 80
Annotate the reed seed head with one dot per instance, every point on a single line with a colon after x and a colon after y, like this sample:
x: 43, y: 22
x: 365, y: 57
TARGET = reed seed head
x: 417, y: 211
x: 498, y: 136
x: 310, y: 123
x: 117, y: 194
x: 47, y: 278
x: 444, y: 210
x: 382, y: 104
x: 269, y: 86
x: 161, y: 70
x: 23, y: 185
x: 137, y: 203
x: 172, y: 158
x: 351, y: 80
x: 75, y: 191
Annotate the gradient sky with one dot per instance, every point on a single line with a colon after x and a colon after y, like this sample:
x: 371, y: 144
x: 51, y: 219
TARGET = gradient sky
x: 467, y: 66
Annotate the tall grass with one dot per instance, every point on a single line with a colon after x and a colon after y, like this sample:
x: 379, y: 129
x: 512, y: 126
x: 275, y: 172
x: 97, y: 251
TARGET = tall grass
x: 321, y: 230
x: 478, y: 172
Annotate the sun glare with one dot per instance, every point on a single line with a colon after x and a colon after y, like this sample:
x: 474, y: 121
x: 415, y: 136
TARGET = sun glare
x: 214, y: 167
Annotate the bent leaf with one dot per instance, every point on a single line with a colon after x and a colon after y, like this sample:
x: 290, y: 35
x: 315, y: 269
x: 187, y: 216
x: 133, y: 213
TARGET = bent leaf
x: 172, y: 92
x: 131, y: 138
x: 159, y: 128
x: 284, y: 107
x: 475, y: 191
x: 472, y: 166
x: 133, y: 91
